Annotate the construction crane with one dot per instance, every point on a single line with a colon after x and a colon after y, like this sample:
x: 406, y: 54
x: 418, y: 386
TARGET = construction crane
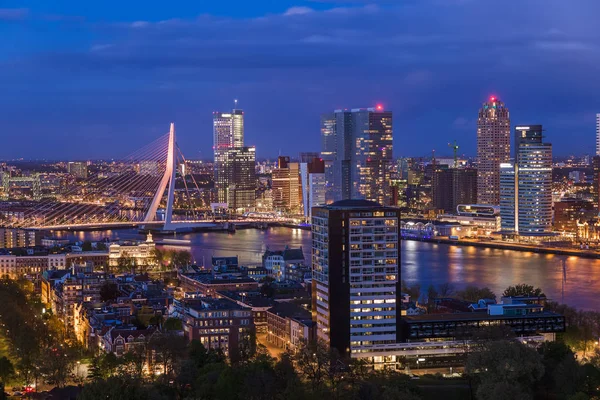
x: 455, y: 148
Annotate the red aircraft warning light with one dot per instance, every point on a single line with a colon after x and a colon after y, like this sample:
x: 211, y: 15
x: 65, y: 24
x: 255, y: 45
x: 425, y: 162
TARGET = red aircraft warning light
x: 379, y: 107
x: 493, y: 98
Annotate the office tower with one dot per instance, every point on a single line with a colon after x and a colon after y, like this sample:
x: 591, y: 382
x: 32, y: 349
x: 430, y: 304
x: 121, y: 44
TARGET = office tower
x: 355, y: 286
x: 526, y: 191
x: 308, y: 157
x: 328, y: 154
x: 493, y: 149
x: 286, y: 185
x: 598, y: 134
x: 78, y: 169
x: 357, y: 150
x: 453, y: 186
x: 312, y: 179
x: 241, y: 175
x: 234, y: 175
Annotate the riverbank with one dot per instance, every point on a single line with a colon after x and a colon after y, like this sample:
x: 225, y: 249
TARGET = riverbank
x: 511, y: 246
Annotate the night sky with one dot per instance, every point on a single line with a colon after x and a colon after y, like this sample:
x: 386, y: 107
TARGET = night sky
x: 91, y: 79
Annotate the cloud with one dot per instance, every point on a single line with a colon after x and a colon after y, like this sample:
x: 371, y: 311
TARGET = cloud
x: 139, y: 24
x: 298, y: 11
x: 13, y: 14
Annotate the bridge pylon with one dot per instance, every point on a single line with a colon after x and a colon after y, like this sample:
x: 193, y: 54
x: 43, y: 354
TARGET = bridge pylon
x: 167, y: 179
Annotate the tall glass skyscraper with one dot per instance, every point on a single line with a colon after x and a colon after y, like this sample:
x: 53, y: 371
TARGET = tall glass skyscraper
x: 526, y: 185
x: 493, y: 149
x: 234, y: 174
x: 357, y: 150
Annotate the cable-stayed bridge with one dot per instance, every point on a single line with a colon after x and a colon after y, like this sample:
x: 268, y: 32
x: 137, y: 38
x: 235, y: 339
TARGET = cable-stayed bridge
x: 139, y: 190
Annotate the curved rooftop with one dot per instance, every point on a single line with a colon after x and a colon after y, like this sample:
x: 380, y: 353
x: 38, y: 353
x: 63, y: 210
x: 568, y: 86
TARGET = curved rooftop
x: 355, y: 203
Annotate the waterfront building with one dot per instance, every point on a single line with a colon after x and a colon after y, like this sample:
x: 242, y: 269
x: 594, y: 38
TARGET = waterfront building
x: 476, y: 219
x: 568, y: 212
x: 355, y: 287
x: 357, y: 151
x: 526, y: 185
x: 493, y: 149
x: 140, y: 253
x: 78, y: 169
x: 11, y: 238
x: 313, y: 184
x: 286, y: 186
x: 234, y: 164
x: 453, y: 186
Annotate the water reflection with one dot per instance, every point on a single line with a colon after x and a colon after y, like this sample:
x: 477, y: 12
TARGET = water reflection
x: 576, y: 282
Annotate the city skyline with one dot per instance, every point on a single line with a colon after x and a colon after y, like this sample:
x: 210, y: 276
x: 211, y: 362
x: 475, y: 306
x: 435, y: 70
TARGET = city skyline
x: 118, y: 75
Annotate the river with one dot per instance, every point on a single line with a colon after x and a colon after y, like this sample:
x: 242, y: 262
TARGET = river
x: 572, y: 280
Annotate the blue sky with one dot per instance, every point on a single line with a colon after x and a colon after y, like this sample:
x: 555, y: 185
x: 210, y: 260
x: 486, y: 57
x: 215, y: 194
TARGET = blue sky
x: 83, y: 79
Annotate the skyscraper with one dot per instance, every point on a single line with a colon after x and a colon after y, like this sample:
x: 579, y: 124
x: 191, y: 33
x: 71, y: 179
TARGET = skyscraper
x: 234, y: 174
x: 598, y: 134
x: 454, y: 186
x: 312, y: 179
x: 493, y: 149
x: 526, y: 185
x: 357, y: 150
x: 355, y: 285
x: 286, y: 185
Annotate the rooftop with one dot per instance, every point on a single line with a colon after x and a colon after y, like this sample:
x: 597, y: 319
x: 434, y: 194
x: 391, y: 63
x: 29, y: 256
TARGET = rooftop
x: 471, y: 316
x: 353, y: 203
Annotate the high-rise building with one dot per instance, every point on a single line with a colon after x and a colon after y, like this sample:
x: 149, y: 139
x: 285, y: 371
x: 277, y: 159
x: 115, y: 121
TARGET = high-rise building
x: 308, y: 156
x: 357, y: 150
x: 493, y: 149
x: 526, y: 185
x: 312, y: 178
x: 598, y: 134
x: 286, y: 185
x: 453, y: 186
x: 355, y: 261
x: 328, y: 153
x: 234, y: 164
x: 241, y: 178
x: 78, y: 169
x: 596, y: 181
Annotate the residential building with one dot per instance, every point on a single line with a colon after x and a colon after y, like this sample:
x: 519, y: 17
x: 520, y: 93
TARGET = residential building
x: 258, y: 303
x: 355, y: 284
x: 122, y: 341
x: 596, y: 181
x: 289, y: 325
x: 493, y: 149
x: 526, y: 185
x: 217, y: 323
x: 208, y: 285
x: 357, y: 151
x: 276, y: 262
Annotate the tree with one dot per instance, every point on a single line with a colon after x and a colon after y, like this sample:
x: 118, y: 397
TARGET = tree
x: 86, y: 246
x: 474, y: 294
x: 523, y: 290
x: 267, y: 290
x: 57, y: 363
x: 173, y: 324
x: 101, y: 246
x: 445, y: 290
x: 413, y: 291
x: 504, y: 368
x: 109, y: 291
x: 7, y: 370
x: 181, y: 259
